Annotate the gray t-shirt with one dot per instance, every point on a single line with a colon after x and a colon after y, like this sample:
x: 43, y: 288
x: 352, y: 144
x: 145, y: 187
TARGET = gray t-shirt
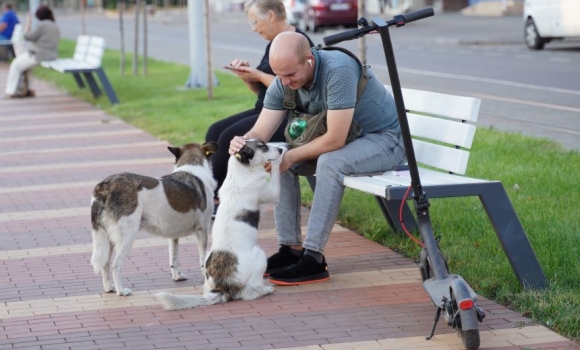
x: 43, y: 40
x: 334, y: 87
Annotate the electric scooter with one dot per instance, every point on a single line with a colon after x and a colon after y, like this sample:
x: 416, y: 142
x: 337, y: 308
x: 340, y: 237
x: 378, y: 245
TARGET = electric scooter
x: 449, y: 292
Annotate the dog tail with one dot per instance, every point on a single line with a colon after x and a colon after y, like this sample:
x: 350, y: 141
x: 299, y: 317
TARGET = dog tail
x: 180, y: 302
x: 101, y: 244
x: 101, y: 249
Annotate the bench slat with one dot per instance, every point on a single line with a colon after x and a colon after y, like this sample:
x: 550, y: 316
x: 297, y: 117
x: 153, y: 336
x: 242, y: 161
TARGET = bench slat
x: 449, y: 106
x: 377, y: 185
x: 441, y: 157
x: 442, y: 130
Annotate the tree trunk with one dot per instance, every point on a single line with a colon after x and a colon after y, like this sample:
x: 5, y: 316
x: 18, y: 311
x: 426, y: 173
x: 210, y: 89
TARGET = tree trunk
x: 121, y: 9
x: 145, y: 38
x: 208, y: 46
x: 83, y: 24
x: 136, y: 42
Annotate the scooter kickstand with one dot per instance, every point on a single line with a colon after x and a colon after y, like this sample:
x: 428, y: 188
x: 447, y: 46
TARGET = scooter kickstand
x: 437, y: 315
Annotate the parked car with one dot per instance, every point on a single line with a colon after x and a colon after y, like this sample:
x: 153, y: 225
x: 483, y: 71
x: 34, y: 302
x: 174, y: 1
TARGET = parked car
x: 328, y: 13
x: 547, y: 20
x: 294, y: 10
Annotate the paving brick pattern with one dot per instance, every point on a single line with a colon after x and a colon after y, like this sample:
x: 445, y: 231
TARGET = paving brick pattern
x: 54, y: 149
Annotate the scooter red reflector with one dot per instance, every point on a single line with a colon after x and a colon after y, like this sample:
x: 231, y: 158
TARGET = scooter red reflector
x: 466, y: 304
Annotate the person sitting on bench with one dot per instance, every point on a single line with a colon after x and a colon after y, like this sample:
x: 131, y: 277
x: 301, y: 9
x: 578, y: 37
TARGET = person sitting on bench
x: 322, y: 80
x: 41, y: 45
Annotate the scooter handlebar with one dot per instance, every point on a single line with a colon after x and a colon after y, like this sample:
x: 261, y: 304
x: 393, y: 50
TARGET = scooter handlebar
x: 399, y: 20
x: 417, y: 15
x: 342, y: 36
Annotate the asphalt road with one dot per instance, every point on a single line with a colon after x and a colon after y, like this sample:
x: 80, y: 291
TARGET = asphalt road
x: 536, y: 93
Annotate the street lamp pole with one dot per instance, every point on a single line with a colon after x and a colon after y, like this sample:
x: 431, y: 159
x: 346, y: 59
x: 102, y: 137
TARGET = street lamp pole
x: 32, y: 6
x: 198, y: 55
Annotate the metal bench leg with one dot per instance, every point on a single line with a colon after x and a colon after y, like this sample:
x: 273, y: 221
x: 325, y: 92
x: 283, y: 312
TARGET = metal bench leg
x: 512, y: 237
x: 107, y: 86
x: 92, y: 84
x: 311, y: 181
x: 79, y: 80
x: 390, y: 211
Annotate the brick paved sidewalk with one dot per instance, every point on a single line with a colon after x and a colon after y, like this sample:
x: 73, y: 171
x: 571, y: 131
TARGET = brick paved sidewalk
x: 54, y: 149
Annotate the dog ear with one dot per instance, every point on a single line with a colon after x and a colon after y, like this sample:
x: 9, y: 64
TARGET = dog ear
x: 245, y: 155
x: 176, y: 151
x: 209, y: 148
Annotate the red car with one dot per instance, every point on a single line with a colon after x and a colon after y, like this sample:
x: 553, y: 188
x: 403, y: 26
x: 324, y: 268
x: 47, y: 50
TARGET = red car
x: 328, y: 13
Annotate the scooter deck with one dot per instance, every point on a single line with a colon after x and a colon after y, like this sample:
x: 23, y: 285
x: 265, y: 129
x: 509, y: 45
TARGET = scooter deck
x: 439, y: 289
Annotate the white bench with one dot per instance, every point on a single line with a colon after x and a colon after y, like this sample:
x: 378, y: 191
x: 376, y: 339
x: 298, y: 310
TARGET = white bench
x: 443, y: 127
x: 86, y: 60
x: 17, y: 36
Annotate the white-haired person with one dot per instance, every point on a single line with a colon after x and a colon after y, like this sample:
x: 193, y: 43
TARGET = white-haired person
x: 267, y: 18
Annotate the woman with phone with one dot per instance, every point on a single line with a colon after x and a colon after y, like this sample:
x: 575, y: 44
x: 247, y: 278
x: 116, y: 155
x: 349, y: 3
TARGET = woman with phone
x: 267, y: 18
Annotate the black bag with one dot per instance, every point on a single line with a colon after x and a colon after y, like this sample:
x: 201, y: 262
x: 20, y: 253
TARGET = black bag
x: 303, y: 127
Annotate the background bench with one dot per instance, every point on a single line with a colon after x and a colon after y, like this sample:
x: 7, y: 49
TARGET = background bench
x: 443, y: 127
x: 86, y: 60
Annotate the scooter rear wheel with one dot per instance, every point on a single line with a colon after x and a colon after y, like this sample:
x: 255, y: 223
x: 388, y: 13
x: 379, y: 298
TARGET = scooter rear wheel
x: 470, y: 338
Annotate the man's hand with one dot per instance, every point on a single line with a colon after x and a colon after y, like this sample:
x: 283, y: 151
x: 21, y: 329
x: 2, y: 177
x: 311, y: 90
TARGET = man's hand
x: 236, y: 144
x: 248, y: 74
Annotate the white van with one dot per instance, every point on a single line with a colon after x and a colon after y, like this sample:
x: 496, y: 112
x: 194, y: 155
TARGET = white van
x: 547, y: 20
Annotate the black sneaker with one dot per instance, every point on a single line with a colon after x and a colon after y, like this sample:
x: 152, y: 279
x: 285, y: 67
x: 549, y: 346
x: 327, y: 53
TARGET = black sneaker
x: 307, y: 270
x: 283, y: 258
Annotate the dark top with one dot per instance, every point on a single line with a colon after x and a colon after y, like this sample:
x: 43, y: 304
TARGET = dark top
x: 264, y: 66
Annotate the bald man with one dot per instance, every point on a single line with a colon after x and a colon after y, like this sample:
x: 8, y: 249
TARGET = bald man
x: 323, y: 80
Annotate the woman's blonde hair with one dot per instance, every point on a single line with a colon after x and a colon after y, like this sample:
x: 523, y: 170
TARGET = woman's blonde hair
x: 263, y: 6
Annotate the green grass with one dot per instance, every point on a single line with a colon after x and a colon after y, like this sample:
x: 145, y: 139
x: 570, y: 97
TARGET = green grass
x: 540, y: 177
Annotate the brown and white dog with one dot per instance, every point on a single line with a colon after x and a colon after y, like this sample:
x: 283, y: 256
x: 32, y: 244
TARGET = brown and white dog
x: 174, y: 206
x: 235, y: 265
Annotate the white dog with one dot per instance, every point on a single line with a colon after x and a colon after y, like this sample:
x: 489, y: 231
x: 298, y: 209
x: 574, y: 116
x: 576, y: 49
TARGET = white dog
x: 235, y: 265
x: 174, y: 206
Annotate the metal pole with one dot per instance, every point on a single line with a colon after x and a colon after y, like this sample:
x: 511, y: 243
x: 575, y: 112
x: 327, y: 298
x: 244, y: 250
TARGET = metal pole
x: 198, y: 56
x: 32, y: 6
x: 362, y: 43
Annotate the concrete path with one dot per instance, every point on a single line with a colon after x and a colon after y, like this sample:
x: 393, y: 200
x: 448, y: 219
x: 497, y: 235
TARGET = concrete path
x: 54, y: 149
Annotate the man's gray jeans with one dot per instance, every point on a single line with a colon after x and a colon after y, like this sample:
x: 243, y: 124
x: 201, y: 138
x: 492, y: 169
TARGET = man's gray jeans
x: 369, y: 153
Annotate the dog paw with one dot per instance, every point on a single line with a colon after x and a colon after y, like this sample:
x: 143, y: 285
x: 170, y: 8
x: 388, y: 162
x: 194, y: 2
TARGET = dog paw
x: 125, y: 292
x: 180, y: 277
x: 268, y: 290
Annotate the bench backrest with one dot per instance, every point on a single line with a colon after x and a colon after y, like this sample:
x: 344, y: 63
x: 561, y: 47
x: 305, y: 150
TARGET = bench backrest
x: 89, y: 49
x: 442, y: 126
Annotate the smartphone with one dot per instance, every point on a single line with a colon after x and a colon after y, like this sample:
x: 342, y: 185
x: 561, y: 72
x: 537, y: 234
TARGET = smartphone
x: 234, y: 68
